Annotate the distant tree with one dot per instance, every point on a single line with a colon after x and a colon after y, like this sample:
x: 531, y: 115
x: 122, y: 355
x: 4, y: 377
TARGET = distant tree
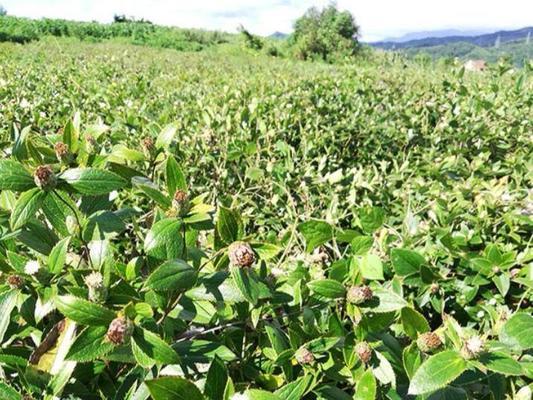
x: 327, y: 33
x: 3, y: 11
x: 251, y: 41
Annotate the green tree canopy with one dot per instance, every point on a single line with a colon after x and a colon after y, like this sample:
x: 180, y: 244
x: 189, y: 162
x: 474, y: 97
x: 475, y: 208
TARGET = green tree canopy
x: 325, y: 33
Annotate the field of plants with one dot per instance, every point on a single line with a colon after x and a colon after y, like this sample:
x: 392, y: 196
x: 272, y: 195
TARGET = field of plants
x: 219, y: 225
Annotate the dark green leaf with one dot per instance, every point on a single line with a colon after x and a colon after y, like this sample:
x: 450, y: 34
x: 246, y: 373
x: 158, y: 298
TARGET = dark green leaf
x: 13, y: 176
x: 328, y: 288
x: 25, y: 208
x: 316, y: 233
x: 406, y: 262
x: 83, y: 311
x: 173, y: 388
x: 518, y: 331
x: 164, y: 240
x: 148, y: 348
x: 172, y: 275
x: 91, y: 181
x: 90, y: 345
x: 175, y: 178
x: 437, y: 372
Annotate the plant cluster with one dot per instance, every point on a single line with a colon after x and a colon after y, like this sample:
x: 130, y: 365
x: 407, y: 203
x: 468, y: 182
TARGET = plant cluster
x: 296, y: 232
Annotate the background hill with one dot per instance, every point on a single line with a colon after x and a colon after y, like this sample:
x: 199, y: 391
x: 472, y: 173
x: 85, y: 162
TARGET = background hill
x: 484, y: 40
x: 515, y: 45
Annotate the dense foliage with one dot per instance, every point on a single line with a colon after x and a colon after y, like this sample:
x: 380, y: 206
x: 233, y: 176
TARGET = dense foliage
x: 186, y: 226
x: 23, y: 30
x: 327, y: 34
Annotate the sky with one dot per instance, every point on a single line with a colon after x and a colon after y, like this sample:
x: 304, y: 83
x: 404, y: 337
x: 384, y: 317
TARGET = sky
x: 378, y: 19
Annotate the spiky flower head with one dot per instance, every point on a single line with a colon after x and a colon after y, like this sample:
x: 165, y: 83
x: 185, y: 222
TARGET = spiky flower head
x: 95, y: 284
x: 63, y: 153
x: 428, y: 342
x: 15, y: 281
x: 119, y: 331
x: 180, y: 202
x: 32, y: 267
x: 304, y: 356
x: 359, y: 294
x: 241, y: 254
x: 473, y: 347
x: 363, y: 351
x: 44, y: 177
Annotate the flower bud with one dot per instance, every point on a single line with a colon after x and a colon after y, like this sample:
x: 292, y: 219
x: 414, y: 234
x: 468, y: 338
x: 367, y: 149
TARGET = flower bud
x: 473, y: 347
x: 119, y: 331
x: 241, y: 254
x: 180, y: 203
x: 15, y: 281
x: 72, y: 225
x: 95, y: 284
x: 428, y: 342
x: 44, y: 177
x: 434, y: 288
x: 63, y: 153
x: 359, y: 294
x: 304, y: 356
x: 148, y: 146
x: 91, y: 145
x: 364, y: 352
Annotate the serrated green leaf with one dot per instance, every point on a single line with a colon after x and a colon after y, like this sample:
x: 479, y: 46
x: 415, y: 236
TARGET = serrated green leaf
x: 173, y: 388
x: 518, y: 331
x: 25, y: 208
x: 92, y: 181
x: 329, y: 288
x: 437, y: 372
x: 91, y: 344
x: 172, y: 275
x: 13, y: 176
x: 83, y: 311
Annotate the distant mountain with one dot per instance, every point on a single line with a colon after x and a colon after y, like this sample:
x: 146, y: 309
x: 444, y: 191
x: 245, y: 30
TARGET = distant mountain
x: 484, y: 40
x: 279, y: 35
x: 437, y: 34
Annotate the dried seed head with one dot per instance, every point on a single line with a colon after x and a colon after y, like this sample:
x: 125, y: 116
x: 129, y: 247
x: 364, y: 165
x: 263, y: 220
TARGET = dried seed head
x: 180, y: 203
x: 304, y: 356
x: 363, y: 351
x: 241, y: 254
x: 32, y: 267
x: 359, y: 294
x: 44, y: 177
x: 429, y: 341
x: 62, y: 153
x: 473, y: 347
x: 119, y: 331
x: 15, y: 281
x: 95, y: 284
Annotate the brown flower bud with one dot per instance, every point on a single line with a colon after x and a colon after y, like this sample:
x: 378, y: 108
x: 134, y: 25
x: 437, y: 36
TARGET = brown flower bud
x: 364, y: 352
x: 44, y: 177
x: 15, y: 281
x: 119, y: 331
x: 241, y: 254
x: 304, y: 356
x: 180, y: 203
x: 62, y: 153
x: 148, y: 145
x: 91, y: 145
x: 429, y: 341
x: 359, y: 294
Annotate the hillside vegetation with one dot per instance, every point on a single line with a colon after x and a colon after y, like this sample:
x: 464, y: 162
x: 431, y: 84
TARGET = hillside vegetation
x: 229, y: 225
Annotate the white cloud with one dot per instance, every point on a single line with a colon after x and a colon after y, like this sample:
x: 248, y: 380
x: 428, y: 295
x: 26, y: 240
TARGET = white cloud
x: 377, y: 18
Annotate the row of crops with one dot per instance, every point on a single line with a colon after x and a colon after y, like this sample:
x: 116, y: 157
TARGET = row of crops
x: 216, y: 226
